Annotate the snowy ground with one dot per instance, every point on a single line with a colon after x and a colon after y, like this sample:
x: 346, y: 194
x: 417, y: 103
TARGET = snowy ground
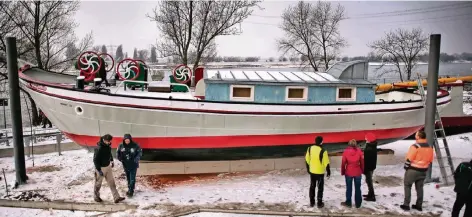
x: 69, y: 177
x: 467, y: 106
x: 20, y: 212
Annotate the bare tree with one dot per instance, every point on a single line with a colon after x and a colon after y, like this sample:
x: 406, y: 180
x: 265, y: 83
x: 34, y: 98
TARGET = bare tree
x: 104, y: 49
x: 48, y: 27
x: 135, y: 53
x: 143, y: 54
x: 96, y: 48
x: 119, y: 53
x: 153, y: 55
x: 313, y: 32
x: 8, y: 28
x: 189, y: 26
x: 402, y: 47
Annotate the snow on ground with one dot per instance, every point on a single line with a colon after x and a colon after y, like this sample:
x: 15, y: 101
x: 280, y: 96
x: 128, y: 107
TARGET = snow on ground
x: 209, y: 214
x: 20, y: 212
x: 70, y: 177
x: 467, y: 106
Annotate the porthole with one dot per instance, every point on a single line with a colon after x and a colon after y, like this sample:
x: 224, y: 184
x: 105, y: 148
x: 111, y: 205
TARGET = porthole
x: 79, y: 110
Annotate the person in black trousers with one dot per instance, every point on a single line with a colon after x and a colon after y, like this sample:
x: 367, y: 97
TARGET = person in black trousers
x: 370, y: 164
x: 463, y: 188
x: 317, y: 164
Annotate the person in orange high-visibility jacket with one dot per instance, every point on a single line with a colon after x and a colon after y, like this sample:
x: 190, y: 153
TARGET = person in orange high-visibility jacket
x: 419, y: 157
x: 317, y: 163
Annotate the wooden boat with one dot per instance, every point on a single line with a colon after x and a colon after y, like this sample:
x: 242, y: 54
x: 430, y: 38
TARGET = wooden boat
x: 228, y: 115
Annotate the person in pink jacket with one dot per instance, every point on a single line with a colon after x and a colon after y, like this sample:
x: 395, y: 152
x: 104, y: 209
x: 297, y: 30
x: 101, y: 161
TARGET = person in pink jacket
x: 352, y: 167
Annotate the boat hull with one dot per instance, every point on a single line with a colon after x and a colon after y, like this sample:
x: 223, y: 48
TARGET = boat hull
x: 245, y: 147
x: 201, y: 130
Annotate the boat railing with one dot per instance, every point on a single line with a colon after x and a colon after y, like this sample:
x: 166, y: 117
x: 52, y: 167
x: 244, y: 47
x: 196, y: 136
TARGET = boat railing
x: 146, y: 82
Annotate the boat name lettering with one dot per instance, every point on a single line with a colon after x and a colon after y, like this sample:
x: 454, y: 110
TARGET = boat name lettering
x: 65, y: 104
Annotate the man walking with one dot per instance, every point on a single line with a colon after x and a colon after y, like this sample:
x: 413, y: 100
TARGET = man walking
x: 370, y: 164
x: 418, y: 159
x: 463, y: 188
x: 129, y: 154
x: 103, y: 161
x: 317, y: 162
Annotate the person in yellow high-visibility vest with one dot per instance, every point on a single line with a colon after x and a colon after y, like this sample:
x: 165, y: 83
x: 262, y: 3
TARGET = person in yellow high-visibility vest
x: 317, y: 163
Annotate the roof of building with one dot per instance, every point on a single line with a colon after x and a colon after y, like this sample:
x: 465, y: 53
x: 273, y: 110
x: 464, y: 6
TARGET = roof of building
x: 240, y: 76
x: 351, y: 70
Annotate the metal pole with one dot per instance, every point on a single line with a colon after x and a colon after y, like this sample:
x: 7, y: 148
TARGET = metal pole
x: 432, y: 88
x: 58, y: 142
x: 6, y: 183
x: 4, y: 114
x: 15, y: 109
x: 32, y: 135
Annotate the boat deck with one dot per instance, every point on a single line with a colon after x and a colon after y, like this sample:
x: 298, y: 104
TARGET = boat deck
x: 69, y: 81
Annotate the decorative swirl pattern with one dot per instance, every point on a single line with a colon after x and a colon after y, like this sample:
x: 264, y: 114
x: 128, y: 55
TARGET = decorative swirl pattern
x: 182, y: 74
x: 89, y: 63
x: 128, y: 69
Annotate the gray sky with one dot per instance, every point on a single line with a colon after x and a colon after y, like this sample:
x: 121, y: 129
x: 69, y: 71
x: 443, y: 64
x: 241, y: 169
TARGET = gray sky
x: 125, y: 22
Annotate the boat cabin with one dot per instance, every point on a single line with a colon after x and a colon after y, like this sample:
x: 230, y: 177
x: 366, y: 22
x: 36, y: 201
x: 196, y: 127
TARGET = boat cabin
x: 342, y: 83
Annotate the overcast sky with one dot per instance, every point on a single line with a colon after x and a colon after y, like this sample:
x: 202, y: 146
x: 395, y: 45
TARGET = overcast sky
x: 125, y: 22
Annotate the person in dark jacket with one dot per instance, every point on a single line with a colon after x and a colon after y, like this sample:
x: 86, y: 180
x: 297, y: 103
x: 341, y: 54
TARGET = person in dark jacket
x: 463, y: 188
x: 370, y: 164
x: 103, y: 161
x: 317, y: 163
x: 129, y: 154
x: 44, y: 120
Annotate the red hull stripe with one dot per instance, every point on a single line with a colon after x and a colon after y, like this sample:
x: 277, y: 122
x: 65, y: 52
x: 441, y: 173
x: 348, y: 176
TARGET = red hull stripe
x: 459, y: 121
x: 246, y: 141
x: 228, y: 112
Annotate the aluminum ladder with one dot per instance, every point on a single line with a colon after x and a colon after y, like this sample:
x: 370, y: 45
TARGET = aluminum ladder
x: 439, y: 135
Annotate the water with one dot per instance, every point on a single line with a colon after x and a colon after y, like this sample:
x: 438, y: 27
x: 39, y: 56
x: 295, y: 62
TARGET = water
x: 451, y: 69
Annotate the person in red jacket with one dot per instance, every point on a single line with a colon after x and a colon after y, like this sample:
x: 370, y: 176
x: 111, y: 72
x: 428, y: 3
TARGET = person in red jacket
x: 352, y: 167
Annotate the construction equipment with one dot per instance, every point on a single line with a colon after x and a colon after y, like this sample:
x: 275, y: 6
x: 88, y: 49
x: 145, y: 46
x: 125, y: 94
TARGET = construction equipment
x: 439, y: 134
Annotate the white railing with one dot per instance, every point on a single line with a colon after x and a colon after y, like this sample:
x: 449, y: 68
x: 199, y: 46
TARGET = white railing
x: 147, y: 82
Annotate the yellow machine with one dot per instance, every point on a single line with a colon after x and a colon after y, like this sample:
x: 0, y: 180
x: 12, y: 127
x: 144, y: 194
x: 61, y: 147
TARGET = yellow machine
x: 406, y: 84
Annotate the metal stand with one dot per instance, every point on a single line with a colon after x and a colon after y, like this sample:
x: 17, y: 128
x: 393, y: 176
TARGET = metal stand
x: 58, y: 142
x: 15, y: 109
x: 429, y: 173
x: 432, y: 114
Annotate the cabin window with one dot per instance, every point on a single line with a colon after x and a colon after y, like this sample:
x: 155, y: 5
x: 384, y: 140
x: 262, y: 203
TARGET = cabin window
x: 346, y: 94
x: 296, y: 94
x: 242, y: 93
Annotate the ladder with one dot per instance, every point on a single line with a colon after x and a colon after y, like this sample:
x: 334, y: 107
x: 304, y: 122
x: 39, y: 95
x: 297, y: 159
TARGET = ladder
x: 439, y: 135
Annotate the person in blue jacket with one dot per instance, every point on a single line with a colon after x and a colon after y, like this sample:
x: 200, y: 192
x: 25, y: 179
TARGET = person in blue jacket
x: 129, y: 154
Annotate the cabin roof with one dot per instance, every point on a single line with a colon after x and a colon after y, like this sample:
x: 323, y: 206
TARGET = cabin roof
x: 299, y: 77
x: 357, y: 69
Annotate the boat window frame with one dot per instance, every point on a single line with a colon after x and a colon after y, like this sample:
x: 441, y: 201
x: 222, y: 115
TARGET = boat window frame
x: 303, y: 99
x: 353, y: 94
x: 249, y: 99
